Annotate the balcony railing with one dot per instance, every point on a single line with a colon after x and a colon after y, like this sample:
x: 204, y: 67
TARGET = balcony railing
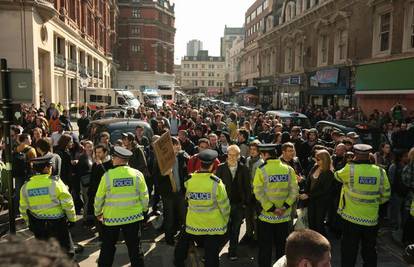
x: 95, y: 73
x: 72, y: 65
x: 60, y: 61
x: 82, y: 69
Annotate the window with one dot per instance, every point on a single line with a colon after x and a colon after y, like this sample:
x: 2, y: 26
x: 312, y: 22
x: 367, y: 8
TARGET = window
x: 323, y: 50
x: 342, y: 45
x: 265, y: 4
x: 135, y: 13
x: 135, y: 30
x: 135, y: 48
x: 299, y: 56
x: 288, y: 59
x: 411, y: 26
x: 385, y: 27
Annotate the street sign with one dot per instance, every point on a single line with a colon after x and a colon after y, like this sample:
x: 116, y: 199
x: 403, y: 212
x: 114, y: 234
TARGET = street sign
x: 21, y: 83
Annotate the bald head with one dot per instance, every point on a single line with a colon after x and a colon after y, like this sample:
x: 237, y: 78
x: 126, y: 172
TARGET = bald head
x: 340, y: 150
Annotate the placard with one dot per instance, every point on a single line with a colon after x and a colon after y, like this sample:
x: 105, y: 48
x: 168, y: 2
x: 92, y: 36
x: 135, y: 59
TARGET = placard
x: 164, y: 152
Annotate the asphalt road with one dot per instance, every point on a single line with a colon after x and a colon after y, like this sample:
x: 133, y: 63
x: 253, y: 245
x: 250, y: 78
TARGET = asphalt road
x: 159, y: 254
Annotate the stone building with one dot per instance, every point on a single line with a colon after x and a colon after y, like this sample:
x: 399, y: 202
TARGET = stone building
x: 62, y: 42
x: 338, y: 53
x: 203, y: 74
x: 146, y: 44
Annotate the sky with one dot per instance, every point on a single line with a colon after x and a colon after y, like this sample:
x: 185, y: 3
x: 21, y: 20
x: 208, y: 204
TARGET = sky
x: 205, y: 20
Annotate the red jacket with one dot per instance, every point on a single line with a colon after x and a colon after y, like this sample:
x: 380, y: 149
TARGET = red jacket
x: 194, y: 164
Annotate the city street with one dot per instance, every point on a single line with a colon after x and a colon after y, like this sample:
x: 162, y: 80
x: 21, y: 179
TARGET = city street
x: 159, y: 254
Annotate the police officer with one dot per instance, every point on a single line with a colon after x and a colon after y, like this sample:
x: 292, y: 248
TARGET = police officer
x: 120, y: 201
x: 47, y: 206
x: 208, y: 212
x: 365, y: 188
x: 276, y: 189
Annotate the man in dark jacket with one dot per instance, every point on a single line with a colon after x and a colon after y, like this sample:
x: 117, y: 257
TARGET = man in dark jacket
x: 83, y: 123
x: 186, y: 144
x: 102, y: 164
x: 236, y: 178
x: 138, y: 160
x: 173, y: 197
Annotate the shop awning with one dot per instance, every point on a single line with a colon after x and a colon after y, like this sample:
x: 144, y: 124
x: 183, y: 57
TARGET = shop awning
x: 248, y: 90
x: 395, y: 75
x: 327, y: 91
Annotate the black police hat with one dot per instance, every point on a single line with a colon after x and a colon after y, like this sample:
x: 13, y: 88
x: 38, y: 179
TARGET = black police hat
x: 44, y: 160
x: 362, y: 149
x: 267, y: 147
x: 207, y: 156
x: 122, y: 153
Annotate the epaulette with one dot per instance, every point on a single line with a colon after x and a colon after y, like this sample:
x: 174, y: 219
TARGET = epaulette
x: 215, y: 178
x: 263, y: 164
x: 55, y: 177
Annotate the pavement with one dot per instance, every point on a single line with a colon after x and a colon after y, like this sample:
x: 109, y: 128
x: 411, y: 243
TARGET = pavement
x: 159, y: 254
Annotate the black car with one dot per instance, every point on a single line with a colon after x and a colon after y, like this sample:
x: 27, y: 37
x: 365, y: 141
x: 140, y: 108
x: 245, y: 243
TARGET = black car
x: 368, y: 134
x: 115, y: 127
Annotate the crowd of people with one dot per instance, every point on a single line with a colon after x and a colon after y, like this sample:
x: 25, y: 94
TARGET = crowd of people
x: 81, y: 158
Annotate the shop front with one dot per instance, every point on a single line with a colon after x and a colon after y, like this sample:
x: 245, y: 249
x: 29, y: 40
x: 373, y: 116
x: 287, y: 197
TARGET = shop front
x: 290, y: 91
x: 267, y: 91
x: 380, y: 86
x: 330, y: 87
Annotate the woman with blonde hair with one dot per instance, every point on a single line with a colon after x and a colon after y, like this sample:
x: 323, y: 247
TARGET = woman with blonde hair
x: 318, y: 191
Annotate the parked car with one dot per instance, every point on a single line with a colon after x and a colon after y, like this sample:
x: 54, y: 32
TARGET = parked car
x: 115, y: 127
x: 296, y: 119
x: 368, y: 134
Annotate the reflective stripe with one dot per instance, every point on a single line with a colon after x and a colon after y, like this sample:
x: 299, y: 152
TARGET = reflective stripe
x: 108, y: 181
x: 276, y: 197
x: 121, y: 195
x: 25, y: 196
x: 121, y: 204
x: 277, y: 190
x: 52, y: 191
x: 201, y: 210
x: 361, y: 200
x: 352, y: 181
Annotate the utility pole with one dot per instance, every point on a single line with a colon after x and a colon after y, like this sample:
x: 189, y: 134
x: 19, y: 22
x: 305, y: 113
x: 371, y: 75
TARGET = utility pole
x: 7, y: 121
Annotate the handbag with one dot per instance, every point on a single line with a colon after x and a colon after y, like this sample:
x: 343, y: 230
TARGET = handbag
x: 85, y: 180
x: 302, y: 220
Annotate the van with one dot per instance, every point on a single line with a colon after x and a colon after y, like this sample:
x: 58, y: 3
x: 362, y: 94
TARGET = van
x: 104, y: 97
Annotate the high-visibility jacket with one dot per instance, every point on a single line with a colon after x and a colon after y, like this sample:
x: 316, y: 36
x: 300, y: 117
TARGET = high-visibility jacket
x: 122, y: 196
x: 365, y: 187
x: 412, y: 208
x: 208, y: 205
x: 46, y: 197
x: 275, y: 186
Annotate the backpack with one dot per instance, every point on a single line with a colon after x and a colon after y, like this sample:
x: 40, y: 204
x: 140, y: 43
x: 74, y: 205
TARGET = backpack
x: 20, y: 163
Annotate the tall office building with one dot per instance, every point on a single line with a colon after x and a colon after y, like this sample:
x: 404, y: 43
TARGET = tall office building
x: 193, y: 47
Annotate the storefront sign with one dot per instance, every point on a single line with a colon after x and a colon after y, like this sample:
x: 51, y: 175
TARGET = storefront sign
x: 295, y: 80
x: 291, y: 80
x: 327, y: 76
x: 263, y: 81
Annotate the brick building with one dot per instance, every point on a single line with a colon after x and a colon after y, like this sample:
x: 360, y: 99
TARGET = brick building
x: 62, y: 42
x: 340, y: 53
x: 146, y: 44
